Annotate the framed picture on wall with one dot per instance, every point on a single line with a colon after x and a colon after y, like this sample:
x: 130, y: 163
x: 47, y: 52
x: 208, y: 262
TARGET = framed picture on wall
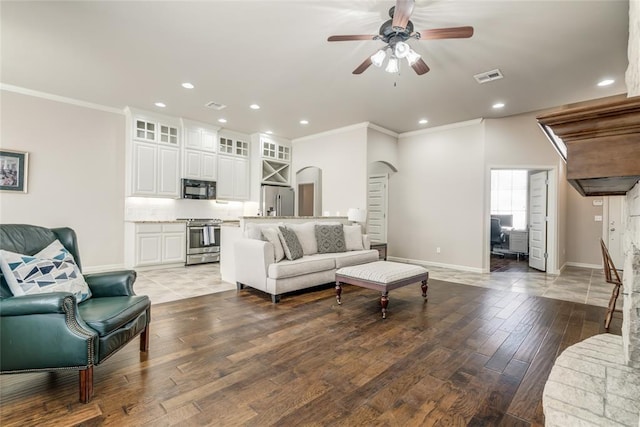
x: 14, y: 167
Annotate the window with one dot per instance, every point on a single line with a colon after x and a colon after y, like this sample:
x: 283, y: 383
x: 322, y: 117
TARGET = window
x: 509, y: 190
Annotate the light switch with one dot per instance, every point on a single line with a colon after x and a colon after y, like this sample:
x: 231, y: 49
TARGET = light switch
x: 597, y: 218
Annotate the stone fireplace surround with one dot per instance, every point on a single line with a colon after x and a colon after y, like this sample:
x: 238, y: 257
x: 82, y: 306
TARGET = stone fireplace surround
x: 596, y: 382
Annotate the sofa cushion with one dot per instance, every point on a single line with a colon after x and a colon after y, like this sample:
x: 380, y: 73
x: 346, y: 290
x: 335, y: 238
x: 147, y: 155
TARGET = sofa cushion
x: 301, y: 266
x: 105, y: 315
x: 272, y: 236
x: 330, y: 238
x: 307, y: 236
x: 253, y: 230
x: 355, y: 257
x: 53, y: 269
x: 290, y: 243
x: 353, y: 237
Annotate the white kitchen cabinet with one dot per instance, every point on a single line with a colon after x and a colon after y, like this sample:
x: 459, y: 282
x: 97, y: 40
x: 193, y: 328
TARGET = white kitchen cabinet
x: 198, y: 137
x: 155, y: 170
x: 200, y: 165
x: 153, y: 155
x: 159, y: 243
x: 233, y: 178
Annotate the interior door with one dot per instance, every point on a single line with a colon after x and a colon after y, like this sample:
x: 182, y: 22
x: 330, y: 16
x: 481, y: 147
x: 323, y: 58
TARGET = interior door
x: 377, y: 207
x: 615, y: 230
x: 538, y: 221
x: 305, y: 199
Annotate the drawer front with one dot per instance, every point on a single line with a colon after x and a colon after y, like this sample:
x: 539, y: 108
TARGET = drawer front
x: 174, y: 228
x: 149, y: 228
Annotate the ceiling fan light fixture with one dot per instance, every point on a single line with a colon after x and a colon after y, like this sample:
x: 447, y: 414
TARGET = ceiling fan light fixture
x: 412, y: 57
x: 378, y: 57
x: 392, y: 65
x: 401, y: 49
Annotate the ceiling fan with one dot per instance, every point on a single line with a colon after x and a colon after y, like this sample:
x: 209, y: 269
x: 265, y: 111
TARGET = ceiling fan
x: 395, y: 32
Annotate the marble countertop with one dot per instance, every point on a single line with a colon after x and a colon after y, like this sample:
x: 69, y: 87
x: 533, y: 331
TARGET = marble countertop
x: 293, y: 217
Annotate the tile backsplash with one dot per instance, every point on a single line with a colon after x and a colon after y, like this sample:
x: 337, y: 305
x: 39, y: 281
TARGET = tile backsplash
x: 156, y: 209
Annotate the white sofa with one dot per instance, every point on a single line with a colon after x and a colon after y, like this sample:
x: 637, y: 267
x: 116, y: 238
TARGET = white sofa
x: 256, y: 266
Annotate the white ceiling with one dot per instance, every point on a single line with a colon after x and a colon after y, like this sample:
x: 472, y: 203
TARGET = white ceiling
x: 276, y: 54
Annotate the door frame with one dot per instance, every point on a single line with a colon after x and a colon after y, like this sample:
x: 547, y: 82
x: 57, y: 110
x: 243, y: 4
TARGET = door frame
x: 552, y: 214
x: 605, y: 225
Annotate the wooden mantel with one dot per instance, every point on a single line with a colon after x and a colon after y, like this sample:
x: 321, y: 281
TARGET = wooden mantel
x: 603, y: 145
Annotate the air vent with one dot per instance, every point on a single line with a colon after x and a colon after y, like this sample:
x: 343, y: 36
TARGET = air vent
x: 215, y: 105
x: 488, y: 76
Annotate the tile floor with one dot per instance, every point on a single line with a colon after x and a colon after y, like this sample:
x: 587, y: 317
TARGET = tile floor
x: 583, y: 285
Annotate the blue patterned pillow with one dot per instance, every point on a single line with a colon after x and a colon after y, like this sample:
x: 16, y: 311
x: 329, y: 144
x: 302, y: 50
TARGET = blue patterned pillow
x: 53, y: 269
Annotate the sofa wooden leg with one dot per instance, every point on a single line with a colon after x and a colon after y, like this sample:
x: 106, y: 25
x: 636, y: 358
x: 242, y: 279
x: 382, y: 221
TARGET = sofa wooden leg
x: 239, y: 286
x: 275, y: 299
x: 144, y: 339
x: 86, y: 384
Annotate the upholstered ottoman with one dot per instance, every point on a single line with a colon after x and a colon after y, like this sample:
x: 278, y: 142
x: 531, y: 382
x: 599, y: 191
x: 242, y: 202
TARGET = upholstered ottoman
x: 381, y: 276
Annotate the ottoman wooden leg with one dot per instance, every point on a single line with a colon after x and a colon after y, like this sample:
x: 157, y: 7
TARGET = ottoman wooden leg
x: 384, y: 301
x: 338, y: 293
x: 424, y: 287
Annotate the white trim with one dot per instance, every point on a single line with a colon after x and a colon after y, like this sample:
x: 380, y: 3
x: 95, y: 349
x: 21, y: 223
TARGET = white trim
x: 382, y: 130
x: 363, y: 125
x: 58, y: 98
x: 582, y: 265
x: 441, y: 128
x: 436, y: 264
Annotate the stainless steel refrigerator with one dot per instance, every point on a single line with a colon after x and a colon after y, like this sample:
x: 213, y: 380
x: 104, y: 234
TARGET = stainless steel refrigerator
x: 277, y: 201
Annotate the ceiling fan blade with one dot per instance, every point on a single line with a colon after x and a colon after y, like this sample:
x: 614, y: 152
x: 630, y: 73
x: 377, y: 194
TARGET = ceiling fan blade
x: 420, y: 67
x: 447, y: 33
x: 351, y: 37
x: 362, y: 67
x: 402, y: 13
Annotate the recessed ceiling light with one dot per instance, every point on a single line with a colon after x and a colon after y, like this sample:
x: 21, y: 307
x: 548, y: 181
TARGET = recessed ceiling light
x: 269, y: 132
x: 304, y: 122
x: 160, y: 104
x: 606, y: 82
x: 423, y: 121
x: 498, y: 105
x: 254, y: 106
x: 222, y: 120
x: 187, y: 85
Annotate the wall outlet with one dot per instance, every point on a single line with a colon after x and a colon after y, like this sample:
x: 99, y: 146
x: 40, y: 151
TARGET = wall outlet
x: 597, y: 218
x: 438, y: 250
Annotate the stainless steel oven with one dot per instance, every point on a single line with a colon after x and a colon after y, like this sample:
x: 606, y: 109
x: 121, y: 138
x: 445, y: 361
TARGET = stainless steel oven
x: 203, y: 241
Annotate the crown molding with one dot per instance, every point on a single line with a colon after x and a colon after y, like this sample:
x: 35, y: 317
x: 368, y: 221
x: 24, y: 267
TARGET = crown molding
x: 441, y: 128
x: 58, y: 98
x: 363, y: 125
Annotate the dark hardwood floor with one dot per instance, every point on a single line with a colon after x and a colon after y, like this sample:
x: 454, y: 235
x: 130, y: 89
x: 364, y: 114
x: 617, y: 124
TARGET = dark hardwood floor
x: 510, y: 263
x: 468, y: 356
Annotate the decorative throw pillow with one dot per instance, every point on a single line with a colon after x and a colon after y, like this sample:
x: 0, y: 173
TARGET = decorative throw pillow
x: 290, y: 243
x: 306, y: 234
x: 53, y: 269
x: 330, y: 238
x: 272, y: 236
x: 353, y: 237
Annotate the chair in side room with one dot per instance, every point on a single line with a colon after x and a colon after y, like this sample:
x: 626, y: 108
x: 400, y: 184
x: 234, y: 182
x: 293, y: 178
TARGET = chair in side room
x: 497, y: 236
x: 611, y: 276
x: 48, y: 331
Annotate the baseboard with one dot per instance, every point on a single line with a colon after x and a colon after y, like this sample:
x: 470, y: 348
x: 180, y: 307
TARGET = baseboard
x: 581, y: 265
x: 436, y: 264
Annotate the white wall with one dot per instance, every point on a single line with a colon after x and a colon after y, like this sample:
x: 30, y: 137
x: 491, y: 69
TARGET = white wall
x: 342, y: 156
x: 381, y: 147
x: 76, y: 172
x: 436, y: 199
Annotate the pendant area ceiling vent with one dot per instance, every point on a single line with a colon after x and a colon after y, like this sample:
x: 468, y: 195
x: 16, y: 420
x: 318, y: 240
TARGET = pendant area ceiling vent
x: 215, y: 105
x: 488, y: 76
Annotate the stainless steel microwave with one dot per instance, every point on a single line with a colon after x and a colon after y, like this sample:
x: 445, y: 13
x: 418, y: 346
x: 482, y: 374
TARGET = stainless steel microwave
x: 198, y: 189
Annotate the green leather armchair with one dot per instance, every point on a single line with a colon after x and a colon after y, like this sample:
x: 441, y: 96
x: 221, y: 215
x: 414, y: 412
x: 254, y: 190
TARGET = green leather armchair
x: 46, y: 332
